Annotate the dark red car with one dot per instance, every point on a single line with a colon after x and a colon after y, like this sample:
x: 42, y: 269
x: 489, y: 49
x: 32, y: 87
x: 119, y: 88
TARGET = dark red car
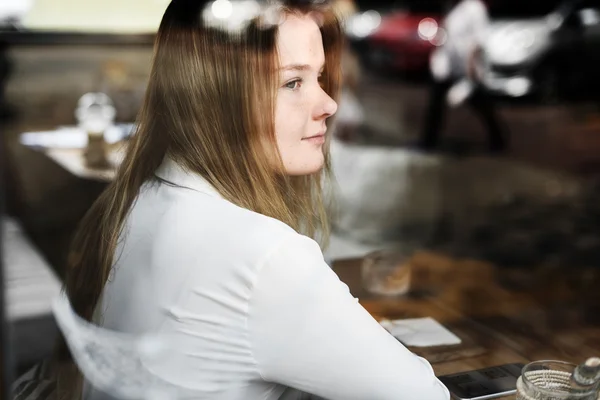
x: 401, y: 38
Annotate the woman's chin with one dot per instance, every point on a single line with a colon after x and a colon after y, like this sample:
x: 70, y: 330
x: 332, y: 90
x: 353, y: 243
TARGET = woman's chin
x: 307, y: 168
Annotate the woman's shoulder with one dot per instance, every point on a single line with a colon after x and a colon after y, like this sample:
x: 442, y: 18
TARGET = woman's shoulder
x: 224, y: 215
x: 197, y: 222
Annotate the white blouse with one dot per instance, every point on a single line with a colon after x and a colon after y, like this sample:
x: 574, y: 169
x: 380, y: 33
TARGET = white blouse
x: 251, y: 307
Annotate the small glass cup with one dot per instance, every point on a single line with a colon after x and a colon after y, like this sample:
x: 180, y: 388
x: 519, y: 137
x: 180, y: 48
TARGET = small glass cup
x: 551, y: 380
x: 387, y: 272
x: 95, y: 113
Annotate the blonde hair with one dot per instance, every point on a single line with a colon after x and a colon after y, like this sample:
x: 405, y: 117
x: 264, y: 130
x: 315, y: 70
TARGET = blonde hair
x: 209, y: 105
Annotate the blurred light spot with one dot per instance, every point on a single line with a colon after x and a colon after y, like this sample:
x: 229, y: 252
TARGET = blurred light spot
x: 271, y: 16
x: 364, y: 24
x: 589, y: 16
x: 222, y: 9
x: 427, y: 29
x: 440, y: 38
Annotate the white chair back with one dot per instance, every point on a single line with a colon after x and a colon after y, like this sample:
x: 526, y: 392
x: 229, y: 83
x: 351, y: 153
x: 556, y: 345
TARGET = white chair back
x: 115, y: 362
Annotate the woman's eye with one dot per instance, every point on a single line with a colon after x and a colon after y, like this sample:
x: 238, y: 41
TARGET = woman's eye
x: 294, y: 85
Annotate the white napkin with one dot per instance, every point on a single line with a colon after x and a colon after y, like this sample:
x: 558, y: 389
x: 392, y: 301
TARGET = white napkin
x: 420, y: 332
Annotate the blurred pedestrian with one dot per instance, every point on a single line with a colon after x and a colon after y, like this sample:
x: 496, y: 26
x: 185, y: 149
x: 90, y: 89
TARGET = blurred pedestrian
x: 455, y: 77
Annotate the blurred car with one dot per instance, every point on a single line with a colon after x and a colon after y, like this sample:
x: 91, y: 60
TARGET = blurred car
x: 398, y: 37
x: 549, y: 49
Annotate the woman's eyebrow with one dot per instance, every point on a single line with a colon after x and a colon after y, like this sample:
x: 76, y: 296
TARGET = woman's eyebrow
x: 298, y: 67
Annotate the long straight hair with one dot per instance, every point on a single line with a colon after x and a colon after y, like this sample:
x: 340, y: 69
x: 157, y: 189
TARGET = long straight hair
x: 209, y: 105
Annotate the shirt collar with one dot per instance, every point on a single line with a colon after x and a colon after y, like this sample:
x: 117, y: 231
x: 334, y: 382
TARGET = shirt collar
x: 172, y: 173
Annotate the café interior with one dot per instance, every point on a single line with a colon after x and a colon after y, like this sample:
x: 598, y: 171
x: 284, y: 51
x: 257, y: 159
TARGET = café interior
x: 472, y: 260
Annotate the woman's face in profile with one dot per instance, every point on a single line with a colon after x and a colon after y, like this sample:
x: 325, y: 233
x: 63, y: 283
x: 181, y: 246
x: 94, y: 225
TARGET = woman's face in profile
x: 302, y: 106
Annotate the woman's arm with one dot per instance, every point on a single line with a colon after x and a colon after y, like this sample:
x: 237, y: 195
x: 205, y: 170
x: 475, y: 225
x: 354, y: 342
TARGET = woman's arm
x: 309, y: 333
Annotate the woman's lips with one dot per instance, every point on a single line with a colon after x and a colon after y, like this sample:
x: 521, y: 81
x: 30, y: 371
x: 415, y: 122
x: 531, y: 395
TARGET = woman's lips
x: 318, y: 138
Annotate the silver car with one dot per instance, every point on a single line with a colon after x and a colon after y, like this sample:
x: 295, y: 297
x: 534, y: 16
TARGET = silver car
x: 550, y: 49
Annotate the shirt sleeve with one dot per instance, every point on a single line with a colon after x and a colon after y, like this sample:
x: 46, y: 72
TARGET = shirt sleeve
x: 308, y: 332
x: 481, y: 22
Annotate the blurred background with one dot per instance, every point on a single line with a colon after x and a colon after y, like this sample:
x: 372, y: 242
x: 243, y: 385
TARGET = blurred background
x: 534, y: 206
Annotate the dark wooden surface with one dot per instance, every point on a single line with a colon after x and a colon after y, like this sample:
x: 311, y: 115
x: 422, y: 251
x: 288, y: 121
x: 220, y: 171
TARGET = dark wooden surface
x: 502, y: 316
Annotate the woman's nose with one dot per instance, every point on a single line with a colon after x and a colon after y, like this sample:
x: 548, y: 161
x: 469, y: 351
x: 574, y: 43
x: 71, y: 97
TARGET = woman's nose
x: 329, y: 106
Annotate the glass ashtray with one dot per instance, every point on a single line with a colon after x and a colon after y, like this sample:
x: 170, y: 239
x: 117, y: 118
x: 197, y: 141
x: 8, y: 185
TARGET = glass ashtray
x: 551, y: 380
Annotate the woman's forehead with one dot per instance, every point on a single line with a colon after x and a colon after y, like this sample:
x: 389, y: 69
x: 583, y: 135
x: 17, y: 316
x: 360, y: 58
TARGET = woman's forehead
x: 299, y: 42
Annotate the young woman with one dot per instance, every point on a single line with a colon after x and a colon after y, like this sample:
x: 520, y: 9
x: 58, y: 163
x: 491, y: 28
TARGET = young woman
x: 205, y: 234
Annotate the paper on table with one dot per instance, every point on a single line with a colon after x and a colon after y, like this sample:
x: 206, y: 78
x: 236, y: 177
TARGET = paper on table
x: 420, y: 332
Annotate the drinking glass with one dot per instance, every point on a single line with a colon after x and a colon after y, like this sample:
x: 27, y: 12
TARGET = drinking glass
x: 387, y: 272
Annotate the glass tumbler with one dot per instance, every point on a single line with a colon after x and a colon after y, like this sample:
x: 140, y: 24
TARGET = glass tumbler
x: 387, y: 272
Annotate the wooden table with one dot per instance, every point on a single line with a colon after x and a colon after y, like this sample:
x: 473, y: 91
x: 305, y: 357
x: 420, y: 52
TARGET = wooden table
x: 72, y: 160
x: 502, y: 316
x: 70, y: 156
